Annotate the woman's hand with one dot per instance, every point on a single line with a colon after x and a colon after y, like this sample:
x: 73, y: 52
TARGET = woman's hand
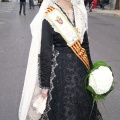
x: 44, y: 93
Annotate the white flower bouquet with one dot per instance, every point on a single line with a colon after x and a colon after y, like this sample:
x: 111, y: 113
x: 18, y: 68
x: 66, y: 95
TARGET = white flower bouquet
x: 100, y: 80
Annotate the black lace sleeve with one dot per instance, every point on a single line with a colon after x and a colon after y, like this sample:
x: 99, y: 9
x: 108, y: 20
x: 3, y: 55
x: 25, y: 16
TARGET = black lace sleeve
x: 46, y: 54
x: 85, y: 45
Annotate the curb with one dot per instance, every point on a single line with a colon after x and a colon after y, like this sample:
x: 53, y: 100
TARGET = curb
x: 106, y: 13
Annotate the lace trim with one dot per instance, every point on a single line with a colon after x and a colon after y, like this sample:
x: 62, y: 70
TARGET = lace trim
x: 32, y: 113
x: 44, y: 88
x: 71, y: 21
x: 53, y: 75
x: 81, y: 25
x: 98, y: 116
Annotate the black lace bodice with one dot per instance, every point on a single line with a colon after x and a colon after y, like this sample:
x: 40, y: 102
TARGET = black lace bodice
x: 49, y: 38
x: 64, y: 73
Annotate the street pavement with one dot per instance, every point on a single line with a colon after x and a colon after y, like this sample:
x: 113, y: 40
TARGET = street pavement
x: 15, y: 40
x: 104, y: 38
x: 106, y: 11
x: 6, y: 7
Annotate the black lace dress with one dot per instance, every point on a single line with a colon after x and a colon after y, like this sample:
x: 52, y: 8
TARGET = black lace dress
x: 64, y: 74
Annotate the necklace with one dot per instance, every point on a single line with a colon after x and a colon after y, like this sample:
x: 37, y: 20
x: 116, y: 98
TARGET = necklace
x: 69, y: 14
x: 68, y: 11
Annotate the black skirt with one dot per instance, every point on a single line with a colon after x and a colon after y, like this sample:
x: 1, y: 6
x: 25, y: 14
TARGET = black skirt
x: 68, y: 98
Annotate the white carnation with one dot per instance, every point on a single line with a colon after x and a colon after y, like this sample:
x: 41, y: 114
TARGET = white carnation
x: 101, y: 80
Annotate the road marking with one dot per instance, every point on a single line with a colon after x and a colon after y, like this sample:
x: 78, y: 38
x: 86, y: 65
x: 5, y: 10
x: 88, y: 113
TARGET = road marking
x: 10, y: 9
x: 4, y: 11
x: 4, y: 20
x: 6, y: 8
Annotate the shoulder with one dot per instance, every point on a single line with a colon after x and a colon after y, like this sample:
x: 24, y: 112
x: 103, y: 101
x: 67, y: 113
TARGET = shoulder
x: 46, y: 25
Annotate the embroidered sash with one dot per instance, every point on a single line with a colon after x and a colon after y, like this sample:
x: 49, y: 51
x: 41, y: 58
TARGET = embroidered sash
x: 59, y: 21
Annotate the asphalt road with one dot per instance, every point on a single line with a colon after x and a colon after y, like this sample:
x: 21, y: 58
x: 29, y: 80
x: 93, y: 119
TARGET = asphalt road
x: 104, y: 34
x: 15, y: 39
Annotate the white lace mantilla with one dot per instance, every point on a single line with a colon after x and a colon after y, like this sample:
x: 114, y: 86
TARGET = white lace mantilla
x: 32, y: 113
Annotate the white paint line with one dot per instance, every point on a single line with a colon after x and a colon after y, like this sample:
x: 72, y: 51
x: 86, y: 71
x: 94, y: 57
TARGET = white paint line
x: 4, y: 11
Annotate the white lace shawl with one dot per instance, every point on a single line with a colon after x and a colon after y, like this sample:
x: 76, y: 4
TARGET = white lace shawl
x: 31, y: 84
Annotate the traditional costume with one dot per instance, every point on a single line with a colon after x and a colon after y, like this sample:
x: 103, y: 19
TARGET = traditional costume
x: 59, y: 60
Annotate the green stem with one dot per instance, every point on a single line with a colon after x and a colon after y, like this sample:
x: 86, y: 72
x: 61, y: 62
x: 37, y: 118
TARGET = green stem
x: 105, y: 108
x: 86, y: 78
x: 91, y: 109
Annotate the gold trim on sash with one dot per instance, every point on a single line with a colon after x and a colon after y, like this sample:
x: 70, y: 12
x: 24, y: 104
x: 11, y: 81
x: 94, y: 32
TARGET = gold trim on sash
x: 81, y: 53
x: 76, y: 45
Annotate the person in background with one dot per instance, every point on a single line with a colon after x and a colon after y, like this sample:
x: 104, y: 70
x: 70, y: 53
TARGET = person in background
x: 93, y: 5
x: 86, y: 2
x: 40, y: 2
x: 103, y: 3
x: 90, y: 4
x: 22, y: 4
x: 31, y: 4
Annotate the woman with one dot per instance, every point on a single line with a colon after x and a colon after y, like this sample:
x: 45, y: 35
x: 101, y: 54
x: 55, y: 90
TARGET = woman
x: 57, y: 30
